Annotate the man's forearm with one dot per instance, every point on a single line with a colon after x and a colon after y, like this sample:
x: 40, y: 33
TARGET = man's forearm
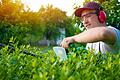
x: 91, y: 35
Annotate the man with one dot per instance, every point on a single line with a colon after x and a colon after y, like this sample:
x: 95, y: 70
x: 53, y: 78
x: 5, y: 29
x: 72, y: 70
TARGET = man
x: 98, y: 36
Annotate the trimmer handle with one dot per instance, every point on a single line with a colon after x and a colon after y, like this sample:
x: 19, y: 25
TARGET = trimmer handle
x: 70, y: 46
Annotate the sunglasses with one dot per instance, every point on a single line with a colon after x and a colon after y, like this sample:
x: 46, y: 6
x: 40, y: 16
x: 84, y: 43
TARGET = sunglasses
x: 87, y: 15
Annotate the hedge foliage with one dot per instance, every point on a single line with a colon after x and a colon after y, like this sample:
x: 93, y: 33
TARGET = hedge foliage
x: 14, y: 65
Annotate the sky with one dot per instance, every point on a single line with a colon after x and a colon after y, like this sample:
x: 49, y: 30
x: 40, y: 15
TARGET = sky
x: 64, y: 5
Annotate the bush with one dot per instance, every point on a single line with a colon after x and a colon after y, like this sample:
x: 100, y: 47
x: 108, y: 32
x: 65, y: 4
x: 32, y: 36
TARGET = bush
x: 16, y: 65
x: 8, y: 30
x: 23, y: 33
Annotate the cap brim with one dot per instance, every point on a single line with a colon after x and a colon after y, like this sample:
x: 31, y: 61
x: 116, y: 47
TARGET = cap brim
x: 80, y: 10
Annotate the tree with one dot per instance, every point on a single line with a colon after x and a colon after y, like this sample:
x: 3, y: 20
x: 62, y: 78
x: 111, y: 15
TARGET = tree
x: 52, y: 19
x: 112, y: 8
x: 10, y: 11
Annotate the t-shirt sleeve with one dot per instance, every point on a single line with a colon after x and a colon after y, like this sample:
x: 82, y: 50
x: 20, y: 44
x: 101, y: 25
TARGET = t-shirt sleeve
x: 117, y: 33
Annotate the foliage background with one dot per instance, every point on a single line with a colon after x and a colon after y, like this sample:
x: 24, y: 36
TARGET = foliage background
x: 30, y: 27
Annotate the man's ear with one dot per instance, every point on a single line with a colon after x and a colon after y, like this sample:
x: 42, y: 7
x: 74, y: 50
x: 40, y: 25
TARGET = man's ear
x: 102, y: 16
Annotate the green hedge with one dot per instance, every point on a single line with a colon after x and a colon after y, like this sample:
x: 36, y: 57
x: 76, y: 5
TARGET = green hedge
x: 22, y: 33
x: 14, y: 65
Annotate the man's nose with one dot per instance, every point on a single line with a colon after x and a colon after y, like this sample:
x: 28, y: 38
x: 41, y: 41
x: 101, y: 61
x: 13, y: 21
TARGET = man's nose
x: 85, y: 21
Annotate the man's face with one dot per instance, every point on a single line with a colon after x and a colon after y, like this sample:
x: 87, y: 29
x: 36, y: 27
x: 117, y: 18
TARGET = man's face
x: 89, y: 19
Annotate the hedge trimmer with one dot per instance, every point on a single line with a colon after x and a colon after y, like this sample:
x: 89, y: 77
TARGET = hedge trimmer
x: 21, y: 51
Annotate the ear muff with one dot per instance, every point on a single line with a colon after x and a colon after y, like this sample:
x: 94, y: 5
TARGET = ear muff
x: 102, y: 16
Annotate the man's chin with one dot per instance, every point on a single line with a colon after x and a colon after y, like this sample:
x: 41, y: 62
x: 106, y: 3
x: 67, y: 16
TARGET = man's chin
x: 88, y: 28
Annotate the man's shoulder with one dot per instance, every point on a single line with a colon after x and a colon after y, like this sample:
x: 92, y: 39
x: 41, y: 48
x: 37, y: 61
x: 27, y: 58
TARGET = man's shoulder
x: 114, y: 29
x: 117, y: 32
x: 111, y: 27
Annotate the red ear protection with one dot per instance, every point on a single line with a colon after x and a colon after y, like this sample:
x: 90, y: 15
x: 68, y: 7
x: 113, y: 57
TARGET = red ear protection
x: 102, y: 16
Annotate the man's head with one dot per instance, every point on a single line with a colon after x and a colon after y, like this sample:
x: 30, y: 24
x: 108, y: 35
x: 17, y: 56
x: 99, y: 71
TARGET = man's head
x: 91, y: 15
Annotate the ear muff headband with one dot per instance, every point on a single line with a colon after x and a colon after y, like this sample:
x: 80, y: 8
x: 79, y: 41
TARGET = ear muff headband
x: 102, y: 16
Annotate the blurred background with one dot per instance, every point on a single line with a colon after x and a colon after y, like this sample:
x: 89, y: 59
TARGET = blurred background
x: 47, y: 22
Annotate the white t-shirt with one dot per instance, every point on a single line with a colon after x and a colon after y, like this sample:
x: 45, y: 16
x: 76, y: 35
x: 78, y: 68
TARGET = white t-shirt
x: 104, y: 47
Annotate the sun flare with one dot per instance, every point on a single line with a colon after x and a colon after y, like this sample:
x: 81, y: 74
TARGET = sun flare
x: 64, y: 5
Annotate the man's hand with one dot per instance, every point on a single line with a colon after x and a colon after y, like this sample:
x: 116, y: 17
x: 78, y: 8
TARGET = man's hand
x: 66, y: 41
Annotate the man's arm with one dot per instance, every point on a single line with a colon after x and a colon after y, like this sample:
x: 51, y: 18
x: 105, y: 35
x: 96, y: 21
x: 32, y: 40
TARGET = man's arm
x: 96, y: 34
x: 92, y: 35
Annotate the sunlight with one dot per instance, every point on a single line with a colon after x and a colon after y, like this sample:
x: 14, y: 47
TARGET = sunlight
x: 64, y: 5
